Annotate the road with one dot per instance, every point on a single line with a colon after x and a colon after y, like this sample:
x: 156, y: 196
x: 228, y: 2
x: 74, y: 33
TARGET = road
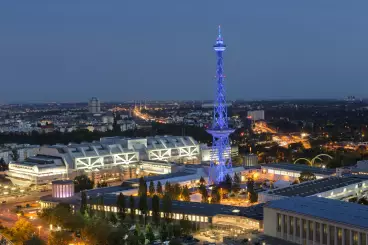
x: 8, y: 218
x: 31, y: 197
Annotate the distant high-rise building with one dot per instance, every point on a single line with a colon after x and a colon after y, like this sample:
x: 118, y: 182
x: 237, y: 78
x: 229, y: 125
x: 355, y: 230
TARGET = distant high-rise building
x: 94, y: 105
x: 251, y: 160
x: 256, y: 115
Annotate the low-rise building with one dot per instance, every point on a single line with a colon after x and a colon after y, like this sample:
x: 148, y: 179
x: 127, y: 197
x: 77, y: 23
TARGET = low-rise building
x: 341, y: 188
x: 318, y: 221
x: 291, y: 172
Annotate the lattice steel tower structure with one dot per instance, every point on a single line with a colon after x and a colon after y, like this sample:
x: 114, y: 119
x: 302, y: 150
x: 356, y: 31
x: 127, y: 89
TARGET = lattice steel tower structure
x: 220, y: 131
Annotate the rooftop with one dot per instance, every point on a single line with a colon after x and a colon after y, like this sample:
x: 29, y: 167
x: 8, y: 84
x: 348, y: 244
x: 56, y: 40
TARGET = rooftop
x: 328, y: 209
x: 40, y: 160
x: 162, y: 177
x: 311, y: 188
x: 300, y: 168
x: 195, y: 208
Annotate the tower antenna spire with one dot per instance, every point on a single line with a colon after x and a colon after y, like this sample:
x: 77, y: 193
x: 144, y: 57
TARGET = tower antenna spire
x: 220, y: 131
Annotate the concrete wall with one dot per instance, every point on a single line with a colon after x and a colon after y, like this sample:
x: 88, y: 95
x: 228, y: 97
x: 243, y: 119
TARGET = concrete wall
x: 269, y: 222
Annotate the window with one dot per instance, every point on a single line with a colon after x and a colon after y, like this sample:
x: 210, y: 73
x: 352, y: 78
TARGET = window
x: 318, y: 232
x: 332, y: 234
x: 285, y: 223
x: 304, y: 226
x: 324, y: 234
x: 279, y: 222
x: 291, y: 225
x: 363, y: 238
x: 355, y: 238
x: 310, y: 224
x: 339, y: 236
x: 347, y: 236
x: 297, y: 223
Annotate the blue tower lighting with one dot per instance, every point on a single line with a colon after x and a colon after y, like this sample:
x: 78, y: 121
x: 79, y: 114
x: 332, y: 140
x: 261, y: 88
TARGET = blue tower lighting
x: 220, y: 131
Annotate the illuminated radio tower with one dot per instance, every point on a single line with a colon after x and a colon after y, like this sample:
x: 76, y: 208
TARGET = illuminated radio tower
x: 220, y: 131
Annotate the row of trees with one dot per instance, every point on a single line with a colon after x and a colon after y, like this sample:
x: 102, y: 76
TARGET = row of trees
x: 176, y: 191
x: 227, y: 186
x: 105, y: 228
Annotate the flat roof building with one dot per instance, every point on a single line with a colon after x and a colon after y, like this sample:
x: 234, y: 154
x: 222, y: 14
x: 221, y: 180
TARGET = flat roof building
x: 316, y: 220
x: 332, y: 187
x: 107, y: 154
x: 290, y: 171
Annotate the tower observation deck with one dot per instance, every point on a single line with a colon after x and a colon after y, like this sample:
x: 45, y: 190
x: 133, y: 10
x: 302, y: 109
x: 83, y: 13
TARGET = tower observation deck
x: 220, y: 131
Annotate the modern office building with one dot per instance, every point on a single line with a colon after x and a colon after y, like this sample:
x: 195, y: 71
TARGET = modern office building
x: 207, y: 152
x: 256, y: 115
x: 94, y: 106
x: 317, y: 221
x: 341, y: 188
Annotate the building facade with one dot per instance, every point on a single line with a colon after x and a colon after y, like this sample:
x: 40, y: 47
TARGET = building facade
x: 317, y: 221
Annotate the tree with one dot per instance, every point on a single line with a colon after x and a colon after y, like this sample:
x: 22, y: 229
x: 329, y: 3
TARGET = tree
x: 167, y: 206
x: 250, y: 185
x: 142, y: 189
x: 202, y: 181
x: 101, y: 184
x: 306, y: 176
x: 168, y: 189
x: 237, y: 160
x: 228, y: 182
x: 96, y: 231
x: 156, y: 209
x: 151, y: 189
x: 82, y: 182
x: 143, y: 205
x: 14, y: 155
x: 112, y: 218
x: 115, y: 126
x: 176, y: 191
x: 22, y: 230
x: 175, y: 241
x: 215, y: 195
x: 253, y: 197
x: 101, y: 204
x: 176, y: 230
x: 35, y: 240
x: 149, y: 233
x: 185, y: 224
x: 159, y: 189
x: 164, y: 232
x: 83, y: 207
x: 236, y: 183
x: 120, y: 203
x: 3, y: 165
x: 203, y: 191
x: 185, y: 194
x: 59, y: 237
x: 117, y: 236
x: 132, y: 207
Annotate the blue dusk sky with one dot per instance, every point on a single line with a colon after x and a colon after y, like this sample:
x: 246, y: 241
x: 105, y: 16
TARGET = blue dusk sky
x: 118, y: 50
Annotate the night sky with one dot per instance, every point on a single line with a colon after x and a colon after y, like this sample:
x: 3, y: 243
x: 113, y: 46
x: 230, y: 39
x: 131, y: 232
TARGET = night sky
x: 147, y: 50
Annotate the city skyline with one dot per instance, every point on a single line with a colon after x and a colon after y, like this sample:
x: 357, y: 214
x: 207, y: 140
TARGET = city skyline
x: 119, y: 52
